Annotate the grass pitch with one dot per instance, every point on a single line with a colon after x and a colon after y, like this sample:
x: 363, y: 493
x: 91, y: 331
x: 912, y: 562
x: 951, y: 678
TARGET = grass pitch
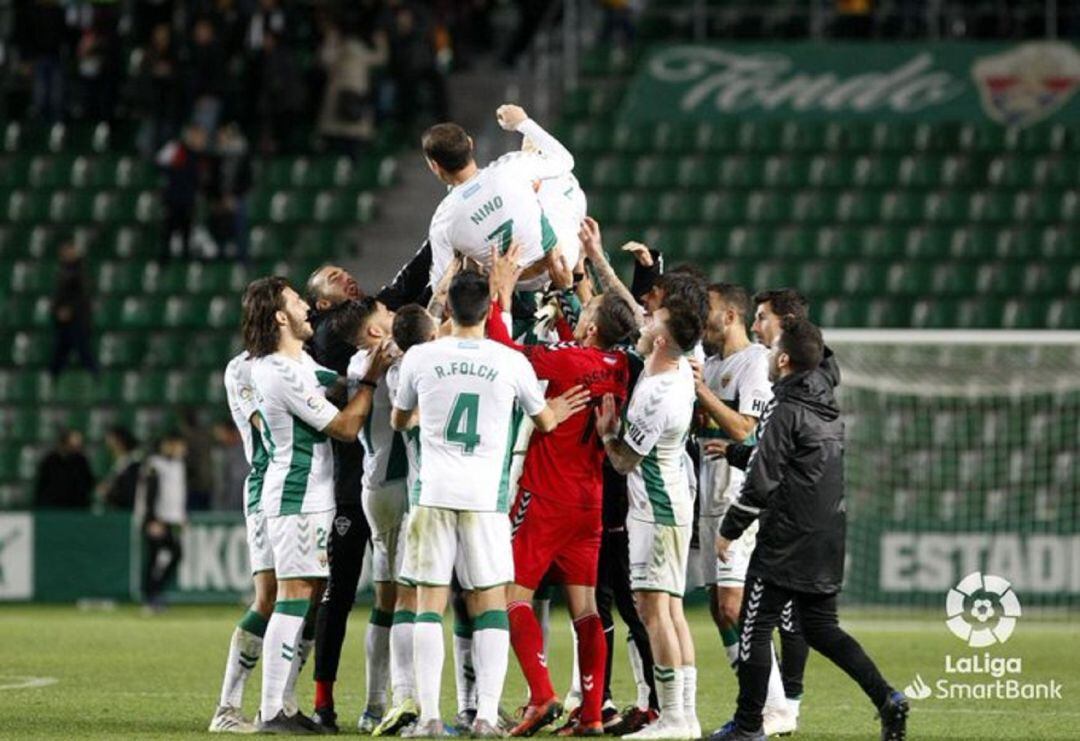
x: 71, y: 674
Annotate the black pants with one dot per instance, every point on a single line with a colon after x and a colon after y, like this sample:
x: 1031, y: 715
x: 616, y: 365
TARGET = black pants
x: 157, y: 572
x: 178, y: 220
x: 72, y: 337
x: 761, y: 611
x: 613, y: 588
x: 794, y: 651
x: 349, y: 536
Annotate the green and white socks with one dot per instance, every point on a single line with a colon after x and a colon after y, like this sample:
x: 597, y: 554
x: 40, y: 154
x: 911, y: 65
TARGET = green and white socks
x: 307, y: 645
x: 402, y: 683
x: 491, y: 651
x: 281, y: 644
x: 670, y: 690
x: 377, y: 660
x: 464, y: 666
x: 244, y: 651
x: 428, y: 660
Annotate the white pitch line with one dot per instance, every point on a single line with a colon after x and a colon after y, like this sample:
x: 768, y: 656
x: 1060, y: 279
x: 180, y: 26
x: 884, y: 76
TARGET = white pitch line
x: 20, y: 682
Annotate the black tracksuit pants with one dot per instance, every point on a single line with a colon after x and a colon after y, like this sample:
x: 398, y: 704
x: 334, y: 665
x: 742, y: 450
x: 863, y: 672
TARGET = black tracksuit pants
x: 762, y: 606
x: 349, y: 536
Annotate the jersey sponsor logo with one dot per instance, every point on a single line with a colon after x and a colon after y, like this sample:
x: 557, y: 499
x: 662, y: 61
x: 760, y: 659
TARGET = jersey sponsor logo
x: 636, y: 434
x: 725, y: 380
x: 758, y: 405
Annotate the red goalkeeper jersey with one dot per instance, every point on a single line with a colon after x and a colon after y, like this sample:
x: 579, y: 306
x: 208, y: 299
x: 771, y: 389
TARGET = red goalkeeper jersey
x: 566, y: 465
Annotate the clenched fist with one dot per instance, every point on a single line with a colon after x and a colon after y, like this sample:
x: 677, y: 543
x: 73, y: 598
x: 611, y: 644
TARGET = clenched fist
x: 511, y: 116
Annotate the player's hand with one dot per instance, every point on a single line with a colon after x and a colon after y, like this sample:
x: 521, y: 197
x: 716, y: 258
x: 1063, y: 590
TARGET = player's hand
x: 511, y: 116
x: 505, y: 273
x: 569, y: 403
x: 591, y: 244
x: 640, y: 252
x: 381, y: 359
x: 562, y: 275
x: 715, y: 449
x: 607, y: 417
x: 723, y: 549
x: 699, y: 373
x: 443, y: 286
x: 155, y: 529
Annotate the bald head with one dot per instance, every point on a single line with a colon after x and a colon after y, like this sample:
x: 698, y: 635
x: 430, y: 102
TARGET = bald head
x: 329, y: 285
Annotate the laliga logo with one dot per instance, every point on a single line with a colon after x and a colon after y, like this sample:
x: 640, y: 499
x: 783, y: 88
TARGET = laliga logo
x: 982, y: 610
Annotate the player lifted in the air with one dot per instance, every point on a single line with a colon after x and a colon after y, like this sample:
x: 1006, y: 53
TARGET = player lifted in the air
x: 298, y: 488
x: 650, y: 450
x: 495, y: 204
x: 466, y: 388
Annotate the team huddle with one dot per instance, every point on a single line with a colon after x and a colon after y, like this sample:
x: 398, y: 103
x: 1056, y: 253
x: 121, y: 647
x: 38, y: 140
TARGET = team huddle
x: 529, y: 423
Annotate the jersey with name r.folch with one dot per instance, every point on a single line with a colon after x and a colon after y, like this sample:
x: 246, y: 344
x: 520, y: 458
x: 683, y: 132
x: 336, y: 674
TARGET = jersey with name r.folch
x: 566, y: 465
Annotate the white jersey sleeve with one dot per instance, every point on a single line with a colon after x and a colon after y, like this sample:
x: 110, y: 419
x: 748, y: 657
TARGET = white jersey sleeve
x: 554, y: 159
x: 644, y: 423
x: 303, y: 398
x: 530, y: 395
x: 406, y: 396
x: 240, y: 394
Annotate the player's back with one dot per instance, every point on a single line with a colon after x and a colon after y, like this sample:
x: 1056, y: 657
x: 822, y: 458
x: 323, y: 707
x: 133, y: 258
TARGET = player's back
x: 566, y: 464
x: 496, y: 206
x: 466, y: 391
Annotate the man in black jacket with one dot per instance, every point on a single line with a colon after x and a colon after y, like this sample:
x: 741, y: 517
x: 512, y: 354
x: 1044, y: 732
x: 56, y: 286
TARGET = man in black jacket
x: 795, y: 486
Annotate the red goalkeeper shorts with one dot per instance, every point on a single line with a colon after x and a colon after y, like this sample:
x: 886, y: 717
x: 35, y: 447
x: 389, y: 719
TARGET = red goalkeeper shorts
x: 552, y: 536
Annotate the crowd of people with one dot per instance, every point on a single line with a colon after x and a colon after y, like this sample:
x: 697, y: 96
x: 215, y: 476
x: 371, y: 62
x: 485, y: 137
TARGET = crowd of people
x: 507, y: 418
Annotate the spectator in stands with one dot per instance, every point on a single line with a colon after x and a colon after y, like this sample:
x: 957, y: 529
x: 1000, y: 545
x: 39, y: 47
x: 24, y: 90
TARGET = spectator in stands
x: 269, y: 17
x: 206, y: 73
x: 230, y: 468
x: 64, y: 479
x: 281, y: 95
x: 71, y: 311
x: 117, y: 489
x: 157, y: 91
x: 618, y: 22
x: 414, y: 68
x: 198, y: 460
x: 228, y: 186
x: 161, y: 503
x: 98, y: 62
x: 183, y: 163
x: 46, y: 46
x: 347, y: 116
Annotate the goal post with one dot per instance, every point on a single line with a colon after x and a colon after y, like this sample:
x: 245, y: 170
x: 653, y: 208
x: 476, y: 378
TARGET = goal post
x: 962, y: 454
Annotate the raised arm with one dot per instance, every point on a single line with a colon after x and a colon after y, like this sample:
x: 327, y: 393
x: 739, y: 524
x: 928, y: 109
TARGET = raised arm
x: 594, y: 250
x: 554, y: 159
x: 348, y: 422
x: 622, y: 457
x: 737, y: 426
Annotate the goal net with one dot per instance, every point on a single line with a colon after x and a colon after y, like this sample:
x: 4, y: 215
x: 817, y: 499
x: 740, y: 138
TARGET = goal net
x: 962, y: 455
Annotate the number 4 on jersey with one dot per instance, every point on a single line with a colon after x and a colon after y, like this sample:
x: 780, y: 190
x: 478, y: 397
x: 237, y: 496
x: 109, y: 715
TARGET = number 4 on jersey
x: 504, y: 233
x: 461, y: 424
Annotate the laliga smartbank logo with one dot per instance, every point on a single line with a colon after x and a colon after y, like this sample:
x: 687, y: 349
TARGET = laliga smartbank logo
x: 982, y: 611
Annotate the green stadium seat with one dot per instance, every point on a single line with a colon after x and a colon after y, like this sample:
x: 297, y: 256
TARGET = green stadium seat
x: 893, y: 137
x: 354, y: 208
x: 924, y: 243
x: 837, y: 242
x: 27, y: 206
x: 678, y: 208
x: 1023, y: 313
x: 223, y: 312
x: 1047, y: 278
x: 864, y: 278
x: 827, y: 171
x: 998, y: 278
x: 75, y: 387
x: 655, y: 172
x: 208, y: 348
x: 207, y: 277
x: 759, y: 136
x: 881, y: 312
x: 952, y: 279
x: 971, y: 243
x: 939, y: 136
x: 821, y: 278
x: 119, y: 349
x: 723, y: 207
x: 117, y: 277
x: 907, y: 278
x: 1063, y: 313
x: 741, y: 171
x: 1059, y: 172
x: 669, y: 137
x: 982, y: 138
x: 716, y: 136
x: 858, y: 207
x: 798, y: 136
x: 49, y: 171
x: 695, y: 172
x: 134, y: 173
x: 27, y: 276
x: 31, y: 348
x: 848, y: 137
x: 748, y: 244
x: 1010, y: 171
x: 882, y: 242
x: 166, y: 350
x: 933, y: 313
x: 184, y: 312
x: 612, y: 172
x: 270, y: 242
x: 921, y: 171
x: 786, y: 172
x: 812, y: 207
x: 992, y: 207
x: 842, y: 312
x: 794, y: 243
x: 901, y: 207
x: 775, y: 273
x: 980, y: 313
x: 768, y: 206
x: 631, y: 138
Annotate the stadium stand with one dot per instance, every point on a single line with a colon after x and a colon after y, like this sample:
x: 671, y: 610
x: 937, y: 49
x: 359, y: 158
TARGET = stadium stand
x: 160, y: 330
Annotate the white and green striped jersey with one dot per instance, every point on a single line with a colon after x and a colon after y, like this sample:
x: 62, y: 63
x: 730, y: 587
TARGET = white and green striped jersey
x: 411, y: 436
x: 240, y: 394
x: 292, y: 402
x: 565, y: 206
x: 658, y: 422
x: 499, y: 204
x: 466, y: 390
x: 385, y: 460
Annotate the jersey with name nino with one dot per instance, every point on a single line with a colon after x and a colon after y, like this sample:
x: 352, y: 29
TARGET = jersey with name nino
x: 498, y: 205
x: 466, y: 390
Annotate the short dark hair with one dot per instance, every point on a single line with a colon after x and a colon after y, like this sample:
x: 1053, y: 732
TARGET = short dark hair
x: 347, y: 319
x: 123, y: 436
x: 614, y: 320
x: 412, y: 326
x: 448, y: 146
x: 263, y: 298
x: 784, y: 302
x: 469, y: 298
x: 683, y: 324
x: 682, y: 284
x: 801, y: 341
x: 737, y: 297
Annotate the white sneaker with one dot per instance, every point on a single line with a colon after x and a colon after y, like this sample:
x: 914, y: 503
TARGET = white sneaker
x: 779, y: 721
x: 666, y: 726
x: 229, y: 720
x: 368, y: 722
x: 571, y: 702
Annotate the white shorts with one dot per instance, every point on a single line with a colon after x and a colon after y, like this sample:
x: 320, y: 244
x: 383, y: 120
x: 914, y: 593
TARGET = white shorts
x: 299, y: 544
x: 715, y: 571
x: 259, y: 549
x: 385, y: 509
x: 476, y: 545
x: 658, y: 556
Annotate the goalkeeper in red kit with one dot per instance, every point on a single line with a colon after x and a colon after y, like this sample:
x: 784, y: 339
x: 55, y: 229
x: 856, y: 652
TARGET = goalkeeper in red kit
x: 557, y: 515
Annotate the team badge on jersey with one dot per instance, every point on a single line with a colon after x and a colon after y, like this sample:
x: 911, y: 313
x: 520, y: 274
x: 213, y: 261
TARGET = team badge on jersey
x: 342, y: 524
x: 725, y: 380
